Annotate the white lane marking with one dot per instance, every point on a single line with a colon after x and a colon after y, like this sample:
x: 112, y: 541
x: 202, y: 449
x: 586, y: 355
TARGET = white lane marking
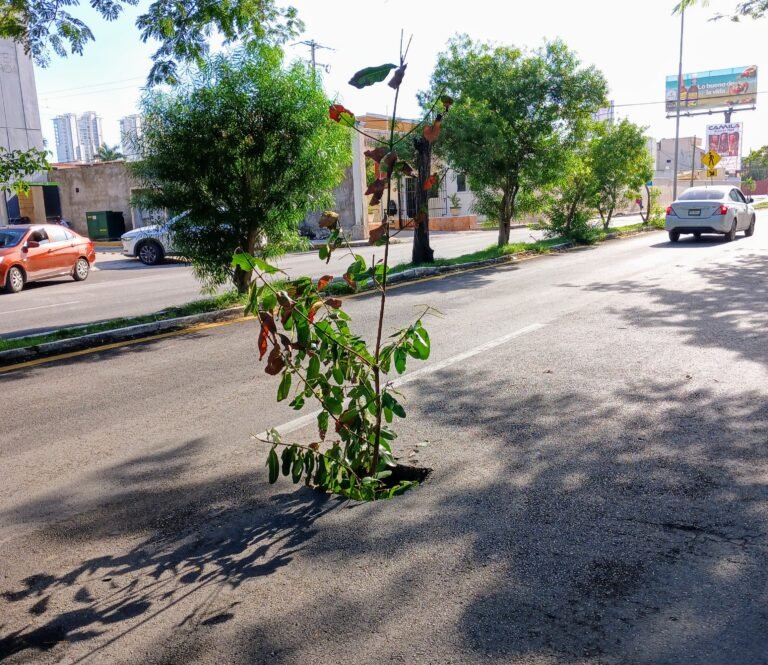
x: 303, y: 421
x: 29, y: 309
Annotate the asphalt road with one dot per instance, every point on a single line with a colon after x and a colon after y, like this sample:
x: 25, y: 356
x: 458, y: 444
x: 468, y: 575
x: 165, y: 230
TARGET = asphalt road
x: 125, y: 287
x: 597, y: 426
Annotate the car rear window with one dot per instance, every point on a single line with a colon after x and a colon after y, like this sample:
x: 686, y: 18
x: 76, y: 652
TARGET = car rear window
x: 11, y: 237
x: 701, y: 194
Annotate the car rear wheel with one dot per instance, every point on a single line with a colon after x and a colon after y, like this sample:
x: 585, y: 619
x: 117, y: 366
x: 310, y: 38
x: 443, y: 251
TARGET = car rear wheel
x: 150, y: 253
x: 674, y: 236
x: 14, y: 281
x: 731, y: 235
x: 750, y: 230
x: 82, y: 268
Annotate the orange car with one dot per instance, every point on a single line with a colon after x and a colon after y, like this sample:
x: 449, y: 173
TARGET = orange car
x: 31, y: 252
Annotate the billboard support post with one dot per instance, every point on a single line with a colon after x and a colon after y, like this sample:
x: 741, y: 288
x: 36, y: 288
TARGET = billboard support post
x: 677, y: 114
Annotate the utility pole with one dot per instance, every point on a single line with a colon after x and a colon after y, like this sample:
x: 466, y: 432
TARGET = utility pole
x: 313, y: 48
x: 677, y: 114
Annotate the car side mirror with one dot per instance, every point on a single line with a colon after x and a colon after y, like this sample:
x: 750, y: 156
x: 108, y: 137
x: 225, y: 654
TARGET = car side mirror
x: 750, y: 199
x: 31, y: 244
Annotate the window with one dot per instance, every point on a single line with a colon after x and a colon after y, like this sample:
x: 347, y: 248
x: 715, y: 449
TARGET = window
x: 702, y: 194
x: 57, y: 234
x: 461, y: 182
x: 736, y: 195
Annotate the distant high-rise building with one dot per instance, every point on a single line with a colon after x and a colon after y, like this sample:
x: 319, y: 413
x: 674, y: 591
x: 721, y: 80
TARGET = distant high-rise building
x: 130, y: 131
x: 78, y: 137
x: 91, y: 134
x: 67, y: 135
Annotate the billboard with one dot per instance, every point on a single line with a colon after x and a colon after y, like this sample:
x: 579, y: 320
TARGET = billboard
x: 714, y: 89
x: 725, y: 140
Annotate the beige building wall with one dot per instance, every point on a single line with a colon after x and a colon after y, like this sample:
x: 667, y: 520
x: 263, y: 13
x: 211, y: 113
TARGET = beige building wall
x: 93, y: 187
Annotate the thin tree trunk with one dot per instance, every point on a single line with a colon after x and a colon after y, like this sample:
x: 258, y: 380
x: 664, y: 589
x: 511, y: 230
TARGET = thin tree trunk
x: 242, y: 278
x: 422, y: 252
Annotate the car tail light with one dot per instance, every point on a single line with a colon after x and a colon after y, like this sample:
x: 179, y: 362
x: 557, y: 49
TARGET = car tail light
x: 670, y: 211
x: 723, y: 209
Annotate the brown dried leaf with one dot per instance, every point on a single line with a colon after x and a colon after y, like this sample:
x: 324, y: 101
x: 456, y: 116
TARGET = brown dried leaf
x: 432, y: 132
x: 377, y: 153
x: 275, y: 363
x: 397, y: 77
x: 333, y: 302
x: 324, y: 281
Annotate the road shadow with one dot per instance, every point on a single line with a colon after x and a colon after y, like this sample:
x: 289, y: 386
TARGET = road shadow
x: 726, y: 309
x: 205, y: 537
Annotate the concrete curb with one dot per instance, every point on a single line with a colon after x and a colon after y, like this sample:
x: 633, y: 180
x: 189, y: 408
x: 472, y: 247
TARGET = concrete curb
x: 14, y: 356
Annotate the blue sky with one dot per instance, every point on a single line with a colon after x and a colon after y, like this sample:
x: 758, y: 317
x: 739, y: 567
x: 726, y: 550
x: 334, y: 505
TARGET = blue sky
x: 635, y: 45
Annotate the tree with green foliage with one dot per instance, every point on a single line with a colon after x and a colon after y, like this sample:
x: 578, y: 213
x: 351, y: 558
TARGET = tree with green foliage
x: 247, y: 150
x: 516, y: 116
x: 747, y: 8
x: 106, y: 153
x: 182, y: 27
x: 755, y: 164
x: 620, y: 162
x: 17, y: 165
x: 572, y: 202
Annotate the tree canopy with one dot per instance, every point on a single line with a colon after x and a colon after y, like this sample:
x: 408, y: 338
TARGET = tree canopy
x: 755, y: 165
x: 107, y: 153
x: 16, y: 165
x: 516, y: 116
x: 247, y: 150
x: 620, y: 163
x: 182, y: 27
x: 746, y: 8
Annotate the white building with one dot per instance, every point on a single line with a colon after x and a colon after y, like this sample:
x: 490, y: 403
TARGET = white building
x: 78, y: 137
x: 91, y: 134
x: 67, y: 136
x: 130, y: 131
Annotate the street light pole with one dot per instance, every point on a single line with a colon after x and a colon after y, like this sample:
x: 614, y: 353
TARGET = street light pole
x: 677, y: 114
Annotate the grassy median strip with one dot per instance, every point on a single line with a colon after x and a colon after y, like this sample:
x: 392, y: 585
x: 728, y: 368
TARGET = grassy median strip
x: 761, y: 206
x: 215, y: 303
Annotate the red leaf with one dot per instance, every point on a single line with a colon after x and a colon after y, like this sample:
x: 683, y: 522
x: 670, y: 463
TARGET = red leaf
x: 313, y: 310
x: 342, y: 115
x: 333, y: 302
x: 375, y: 200
x: 430, y: 182
x: 376, y: 154
x: 286, y: 314
x: 324, y: 281
x: 275, y: 363
x: 376, y: 187
x: 388, y: 161
x: 350, y: 281
x: 267, y: 320
x: 263, y: 335
x: 432, y: 132
x: 397, y: 78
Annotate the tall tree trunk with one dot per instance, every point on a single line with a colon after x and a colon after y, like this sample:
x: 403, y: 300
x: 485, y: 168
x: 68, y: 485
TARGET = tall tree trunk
x: 504, y: 221
x: 422, y: 252
x: 507, y: 212
x: 242, y: 278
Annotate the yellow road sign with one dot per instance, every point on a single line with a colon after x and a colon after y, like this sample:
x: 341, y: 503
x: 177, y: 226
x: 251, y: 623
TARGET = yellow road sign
x: 710, y: 159
x: 711, y: 173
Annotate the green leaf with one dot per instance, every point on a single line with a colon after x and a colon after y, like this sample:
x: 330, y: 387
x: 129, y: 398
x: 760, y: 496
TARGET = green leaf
x: 322, y: 424
x: 400, y: 360
x: 313, y: 369
x: 302, y: 329
x: 338, y: 375
x: 246, y: 262
x: 298, y: 466
x: 324, y: 253
x: 334, y: 406
x: 287, y: 457
x: 371, y: 75
x: 284, y: 388
x: 274, y: 466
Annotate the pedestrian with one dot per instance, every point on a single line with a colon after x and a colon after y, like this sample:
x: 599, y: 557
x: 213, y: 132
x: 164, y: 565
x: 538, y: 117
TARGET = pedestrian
x: 639, y: 202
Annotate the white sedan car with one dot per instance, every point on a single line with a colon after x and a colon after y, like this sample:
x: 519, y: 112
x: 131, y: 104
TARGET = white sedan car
x: 716, y: 209
x: 150, y: 244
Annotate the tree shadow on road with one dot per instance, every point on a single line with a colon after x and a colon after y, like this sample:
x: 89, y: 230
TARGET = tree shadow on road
x: 204, y: 536
x: 727, y: 309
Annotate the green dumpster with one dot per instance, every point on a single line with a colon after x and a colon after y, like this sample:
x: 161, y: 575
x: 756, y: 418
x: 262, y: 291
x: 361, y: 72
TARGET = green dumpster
x: 105, y: 225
